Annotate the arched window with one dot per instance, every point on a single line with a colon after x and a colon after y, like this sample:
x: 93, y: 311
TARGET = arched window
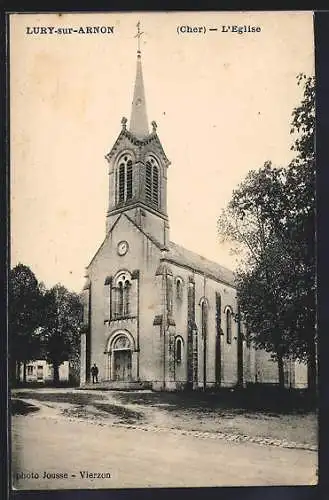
x: 204, y: 317
x: 152, y: 181
x: 228, y: 326
x: 126, y: 296
x: 179, y: 289
x: 120, y: 299
x: 124, y: 175
x: 121, y: 295
x: 179, y: 350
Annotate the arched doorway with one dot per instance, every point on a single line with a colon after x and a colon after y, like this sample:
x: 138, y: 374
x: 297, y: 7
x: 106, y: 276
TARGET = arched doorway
x: 121, y: 358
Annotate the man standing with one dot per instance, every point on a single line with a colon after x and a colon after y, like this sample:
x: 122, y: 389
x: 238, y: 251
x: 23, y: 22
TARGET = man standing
x: 94, y: 373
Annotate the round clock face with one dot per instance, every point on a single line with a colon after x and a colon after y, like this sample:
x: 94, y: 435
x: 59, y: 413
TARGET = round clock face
x: 122, y: 247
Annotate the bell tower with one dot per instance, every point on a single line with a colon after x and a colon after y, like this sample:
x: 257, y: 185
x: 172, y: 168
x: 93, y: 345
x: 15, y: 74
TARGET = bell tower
x: 138, y: 169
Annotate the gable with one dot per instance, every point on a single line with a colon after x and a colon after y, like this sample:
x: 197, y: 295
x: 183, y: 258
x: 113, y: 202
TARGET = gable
x: 140, y: 244
x: 127, y: 139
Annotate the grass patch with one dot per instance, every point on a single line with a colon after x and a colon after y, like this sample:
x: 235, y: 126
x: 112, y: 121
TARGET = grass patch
x: 267, y: 400
x: 119, y: 411
x: 19, y: 407
x: 61, y: 397
x: 44, y: 385
x: 125, y: 415
x: 80, y: 412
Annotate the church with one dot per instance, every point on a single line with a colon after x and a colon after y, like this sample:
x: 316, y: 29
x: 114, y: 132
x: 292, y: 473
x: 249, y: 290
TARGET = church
x: 157, y: 315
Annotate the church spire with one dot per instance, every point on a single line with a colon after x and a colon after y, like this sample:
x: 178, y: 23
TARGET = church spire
x: 138, y: 119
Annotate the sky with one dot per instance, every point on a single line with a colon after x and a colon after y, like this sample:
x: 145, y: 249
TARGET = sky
x: 222, y: 102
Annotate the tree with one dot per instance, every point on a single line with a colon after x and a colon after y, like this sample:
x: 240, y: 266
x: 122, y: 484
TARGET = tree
x: 267, y: 298
x: 23, y: 318
x: 62, y: 318
x: 254, y: 222
x: 270, y: 221
x: 255, y: 214
x: 301, y: 225
x: 303, y: 123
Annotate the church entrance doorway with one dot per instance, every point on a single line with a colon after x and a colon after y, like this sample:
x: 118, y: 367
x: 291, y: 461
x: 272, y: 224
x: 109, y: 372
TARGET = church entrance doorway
x: 122, y: 365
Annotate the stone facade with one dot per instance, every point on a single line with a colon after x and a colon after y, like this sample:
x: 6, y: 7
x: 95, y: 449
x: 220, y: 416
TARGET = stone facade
x: 155, y: 312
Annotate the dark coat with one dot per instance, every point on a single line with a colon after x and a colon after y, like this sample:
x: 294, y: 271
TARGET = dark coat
x: 94, y: 370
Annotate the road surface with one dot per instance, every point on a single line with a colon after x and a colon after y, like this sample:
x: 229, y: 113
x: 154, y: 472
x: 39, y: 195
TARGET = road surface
x: 120, y: 457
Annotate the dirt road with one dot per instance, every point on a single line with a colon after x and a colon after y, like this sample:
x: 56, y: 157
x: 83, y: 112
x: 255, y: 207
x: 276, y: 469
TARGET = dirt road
x: 138, y: 458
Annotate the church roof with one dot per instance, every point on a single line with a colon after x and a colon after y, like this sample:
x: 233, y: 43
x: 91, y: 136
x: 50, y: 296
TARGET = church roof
x: 180, y: 256
x: 183, y: 257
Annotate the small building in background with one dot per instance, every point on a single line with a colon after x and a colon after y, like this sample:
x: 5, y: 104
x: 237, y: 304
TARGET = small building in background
x: 41, y: 371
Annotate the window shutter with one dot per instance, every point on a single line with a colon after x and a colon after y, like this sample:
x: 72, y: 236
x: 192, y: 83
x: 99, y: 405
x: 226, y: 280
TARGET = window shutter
x: 148, y: 183
x: 155, y: 187
x: 121, y: 182
x: 129, y: 180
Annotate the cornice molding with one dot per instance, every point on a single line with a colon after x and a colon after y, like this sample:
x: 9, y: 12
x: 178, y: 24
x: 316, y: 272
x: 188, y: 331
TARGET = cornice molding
x: 136, y: 204
x: 151, y: 138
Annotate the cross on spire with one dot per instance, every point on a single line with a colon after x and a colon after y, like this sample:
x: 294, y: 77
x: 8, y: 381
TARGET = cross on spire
x: 138, y: 120
x: 138, y: 36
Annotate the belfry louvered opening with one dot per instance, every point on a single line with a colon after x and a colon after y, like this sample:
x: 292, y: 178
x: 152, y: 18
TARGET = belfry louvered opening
x: 125, y: 179
x: 152, y: 181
